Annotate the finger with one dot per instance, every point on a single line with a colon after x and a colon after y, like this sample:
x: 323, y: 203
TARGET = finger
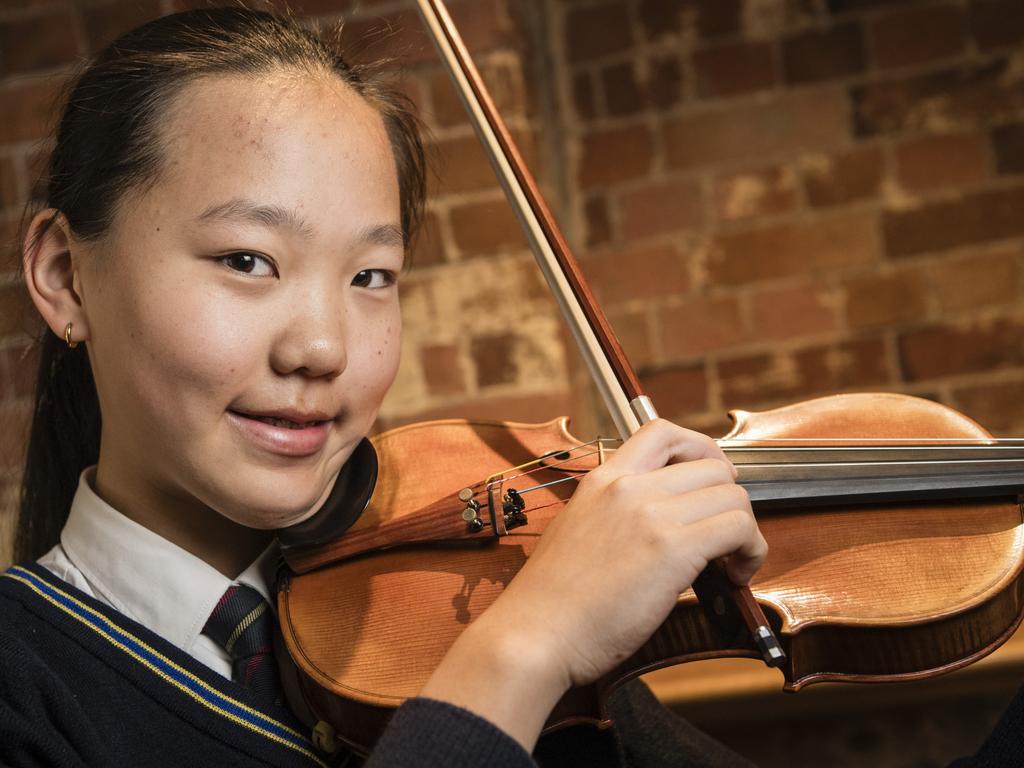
x: 659, y: 443
x: 682, y: 478
x: 733, y: 533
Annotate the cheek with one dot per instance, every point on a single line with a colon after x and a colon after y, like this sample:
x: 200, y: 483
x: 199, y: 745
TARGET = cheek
x: 378, y: 355
x: 185, y: 348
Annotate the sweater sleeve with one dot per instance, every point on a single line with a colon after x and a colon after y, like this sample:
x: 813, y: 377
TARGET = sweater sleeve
x: 425, y: 733
x: 37, y: 716
x: 1005, y: 745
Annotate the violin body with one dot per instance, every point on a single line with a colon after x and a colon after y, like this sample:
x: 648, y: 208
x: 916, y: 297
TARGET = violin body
x: 864, y: 592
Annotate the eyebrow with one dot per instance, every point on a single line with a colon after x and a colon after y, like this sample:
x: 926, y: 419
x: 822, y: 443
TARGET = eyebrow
x: 247, y: 211
x: 278, y: 216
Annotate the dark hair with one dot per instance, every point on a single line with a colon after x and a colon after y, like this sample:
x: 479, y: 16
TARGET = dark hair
x: 108, y: 143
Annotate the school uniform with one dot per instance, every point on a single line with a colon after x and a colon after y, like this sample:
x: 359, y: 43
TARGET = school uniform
x: 104, y: 663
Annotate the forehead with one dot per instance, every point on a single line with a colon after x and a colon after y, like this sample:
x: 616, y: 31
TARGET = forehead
x: 302, y: 141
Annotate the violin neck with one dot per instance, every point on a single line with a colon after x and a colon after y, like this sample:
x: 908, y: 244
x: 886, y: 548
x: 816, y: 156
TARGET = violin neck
x: 793, y: 477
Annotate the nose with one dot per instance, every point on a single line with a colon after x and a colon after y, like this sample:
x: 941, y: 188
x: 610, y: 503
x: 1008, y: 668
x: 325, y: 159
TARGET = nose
x: 313, y: 339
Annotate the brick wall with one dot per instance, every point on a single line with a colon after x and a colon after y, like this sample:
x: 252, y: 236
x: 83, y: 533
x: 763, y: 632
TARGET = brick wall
x: 775, y: 199
x: 828, y: 195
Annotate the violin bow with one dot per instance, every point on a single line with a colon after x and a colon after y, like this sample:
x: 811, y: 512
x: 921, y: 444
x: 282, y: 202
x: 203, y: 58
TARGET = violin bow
x: 726, y: 605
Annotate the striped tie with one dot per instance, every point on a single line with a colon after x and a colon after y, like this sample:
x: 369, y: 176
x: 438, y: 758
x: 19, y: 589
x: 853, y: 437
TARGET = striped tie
x: 242, y: 623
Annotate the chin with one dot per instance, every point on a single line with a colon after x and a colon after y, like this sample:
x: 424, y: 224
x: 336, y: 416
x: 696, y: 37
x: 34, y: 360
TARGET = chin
x: 273, y: 503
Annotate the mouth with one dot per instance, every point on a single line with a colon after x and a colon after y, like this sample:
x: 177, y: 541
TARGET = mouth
x: 289, y: 433
x: 275, y: 421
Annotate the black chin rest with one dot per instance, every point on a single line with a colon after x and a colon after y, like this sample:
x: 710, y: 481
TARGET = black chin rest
x: 346, y: 502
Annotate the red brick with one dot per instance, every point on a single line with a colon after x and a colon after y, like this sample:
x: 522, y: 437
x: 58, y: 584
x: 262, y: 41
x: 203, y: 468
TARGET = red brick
x: 794, y: 248
x: 528, y: 409
x: 15, y: 420
x: 1008, y: 141
x: 997, y: 406
x: 824, y: 54
x: 38, y: 42
x: 807, y: 309
x: 504, y: 83
x: 379, y: 37
x: 733, y: 68
x: 485, y: 25
x: 20, y: 370
x: 104, y: 23
x: 623, y: 95
x: 937, y: 100
x: 494, y: 359
x: 948, y: 350
x: 798, y: 122
x: 670, y: 206
x: 460, y: 165
x: 615, y: 154
x: 583, y: 96
x: 847, y: 365
x: 599, y: 223
x: 677, y: 391
x: 634, y: 86
x: 844, y: 6
x: 699, y: 326
x: 755, y: 193
x: 442, y: 369
x: 662, y: 17
x: 977, y: 280
x: 17, y: 313
x: 597, y: 31
x: 997, y: 23
x: 486, y: 227
x: 933, y: 162
x: 717, y: 18
x: 28, y: 108
x: 844, y: 177
x: 10, y: 238
x: 637, y: 273
x: 631, y: 329
x: 917, y: 35
x: 428, y: 247
x: 10, y: 195
x: 884, y: 299
x: 664, y: 81
x: 976, y: 217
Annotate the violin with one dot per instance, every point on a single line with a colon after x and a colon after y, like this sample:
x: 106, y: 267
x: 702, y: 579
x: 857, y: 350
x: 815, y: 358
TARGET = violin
x: 895, y: 525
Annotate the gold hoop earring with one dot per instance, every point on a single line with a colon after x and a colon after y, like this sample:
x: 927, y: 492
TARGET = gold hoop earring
x: 67, y: 337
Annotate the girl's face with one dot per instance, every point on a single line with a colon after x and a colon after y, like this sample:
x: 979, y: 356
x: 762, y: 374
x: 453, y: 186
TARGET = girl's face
x: 242, y: 312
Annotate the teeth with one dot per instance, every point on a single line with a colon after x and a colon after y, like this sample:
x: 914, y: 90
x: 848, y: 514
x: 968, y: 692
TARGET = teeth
x: 280, y: 422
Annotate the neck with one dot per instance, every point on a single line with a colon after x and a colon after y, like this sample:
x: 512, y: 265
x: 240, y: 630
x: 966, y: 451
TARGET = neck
x: 187, y: 523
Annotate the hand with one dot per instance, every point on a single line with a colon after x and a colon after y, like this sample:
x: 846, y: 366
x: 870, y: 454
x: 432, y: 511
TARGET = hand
x: 637, y: 532
x: 606, y: 573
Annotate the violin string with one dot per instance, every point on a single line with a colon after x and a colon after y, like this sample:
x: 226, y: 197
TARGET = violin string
x: 549, y: 484
x: 869, y: 442
x: 597, y: 447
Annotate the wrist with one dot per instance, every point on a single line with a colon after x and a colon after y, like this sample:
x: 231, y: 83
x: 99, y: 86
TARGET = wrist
x: 509, y: 677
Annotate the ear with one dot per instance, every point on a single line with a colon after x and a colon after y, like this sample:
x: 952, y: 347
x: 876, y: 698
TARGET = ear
x: 51, y: 274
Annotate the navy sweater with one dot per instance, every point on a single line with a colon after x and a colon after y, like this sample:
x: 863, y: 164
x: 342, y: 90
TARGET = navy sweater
x: 82, y: 685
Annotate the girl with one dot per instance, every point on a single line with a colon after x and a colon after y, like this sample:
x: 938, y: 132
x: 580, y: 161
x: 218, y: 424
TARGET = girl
x: 226, y: 214
x: 228, y: 208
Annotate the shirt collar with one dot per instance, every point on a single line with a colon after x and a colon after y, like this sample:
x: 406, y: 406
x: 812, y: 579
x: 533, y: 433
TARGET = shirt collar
x: 145, y: 576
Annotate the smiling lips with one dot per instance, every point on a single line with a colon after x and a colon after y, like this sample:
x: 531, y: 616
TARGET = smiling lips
x: 285, y: 433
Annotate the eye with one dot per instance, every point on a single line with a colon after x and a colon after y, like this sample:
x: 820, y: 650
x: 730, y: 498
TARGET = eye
x: 249, y: 263
x: 374, y: 278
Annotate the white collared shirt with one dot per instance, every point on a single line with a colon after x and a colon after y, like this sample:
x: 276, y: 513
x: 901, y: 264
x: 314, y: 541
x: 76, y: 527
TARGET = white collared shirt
x: 145, y: 576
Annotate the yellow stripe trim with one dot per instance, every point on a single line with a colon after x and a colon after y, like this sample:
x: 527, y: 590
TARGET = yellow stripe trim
x: 199, y: 681
x: 254, y: 614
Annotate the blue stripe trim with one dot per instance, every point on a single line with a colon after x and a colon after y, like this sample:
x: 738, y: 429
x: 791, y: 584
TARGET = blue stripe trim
x: 198, y: 689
